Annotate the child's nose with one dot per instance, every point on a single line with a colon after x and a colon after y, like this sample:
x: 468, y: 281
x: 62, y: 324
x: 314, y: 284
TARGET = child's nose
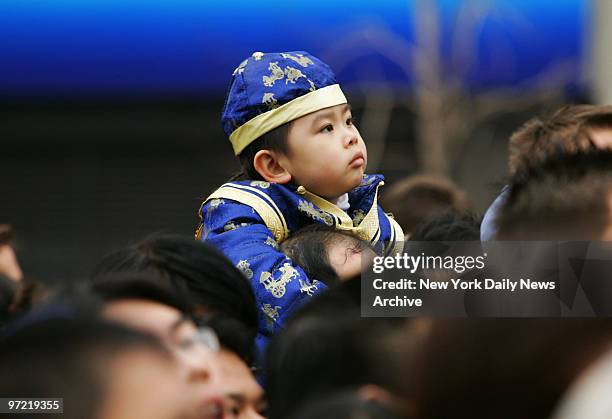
x: 350, y: 139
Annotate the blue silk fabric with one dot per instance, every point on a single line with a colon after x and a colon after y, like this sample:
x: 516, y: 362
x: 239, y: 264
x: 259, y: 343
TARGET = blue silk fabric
x: 239, y: 231
x: 266, y: 81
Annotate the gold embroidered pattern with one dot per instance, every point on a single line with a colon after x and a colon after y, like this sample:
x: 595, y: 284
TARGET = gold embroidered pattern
x: 244, y: 266
x: 309, y: 209
x: 215, y: 203
x: 368, y: 229
x: 277, y: 287
x: 398, y: 235
x: 257, y: 55
x: 308, y: 289
x: 270, y: 100
x: 312, y: 86
x: 271, y: 242
x: 259, y: 202
x: 367, y: 180
x: 358, y: 217
x: 292, y: 74
x: 240, y: 68
x: 271, y: 314
x: 299, y: 58
x: 261, y: 184
x: 277, y: 74
x: 231, y: 226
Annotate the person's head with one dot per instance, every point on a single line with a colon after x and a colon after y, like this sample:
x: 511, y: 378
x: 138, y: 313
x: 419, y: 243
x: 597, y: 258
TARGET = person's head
x: 328, y: 347
x: 99, y: 369
x: 149, y: 307
x: 196, y: 270
x: 568, y: 197
x: 417, y: 198
x: 288, y: 121
x: 571, y: 129
x: 448, y: 226
x: 504, y: 368
x: 243, y: 396
x: 327, y: 254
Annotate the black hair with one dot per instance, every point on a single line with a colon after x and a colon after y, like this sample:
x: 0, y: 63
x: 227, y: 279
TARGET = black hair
x: 233, y: 336
x: 115, y: 287
x: 328, y: 347
x: 308, y: 248
x: 448, y: 226
x: 195, y: 269
x: 69, y: 359
x: 566, y: 197
x: 275, y: 140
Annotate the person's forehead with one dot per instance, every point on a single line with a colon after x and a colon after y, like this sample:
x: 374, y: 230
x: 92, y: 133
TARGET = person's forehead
x: 145, y: 315
x: 326, y: 112
x: 236, y: 376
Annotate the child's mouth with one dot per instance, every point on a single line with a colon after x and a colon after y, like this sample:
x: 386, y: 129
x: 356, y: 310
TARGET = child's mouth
x: 357, y: 161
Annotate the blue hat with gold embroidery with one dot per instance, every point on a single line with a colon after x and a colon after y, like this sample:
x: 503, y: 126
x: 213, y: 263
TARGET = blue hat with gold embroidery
x: 271, y: 89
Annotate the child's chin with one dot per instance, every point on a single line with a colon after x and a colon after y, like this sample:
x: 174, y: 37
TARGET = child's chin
x: 357, y: 181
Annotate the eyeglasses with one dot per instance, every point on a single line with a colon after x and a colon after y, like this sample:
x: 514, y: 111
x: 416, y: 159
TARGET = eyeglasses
x: 204, y: 337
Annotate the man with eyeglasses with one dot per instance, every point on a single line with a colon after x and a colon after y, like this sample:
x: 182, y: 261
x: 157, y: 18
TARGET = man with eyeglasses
x: 145, y: 305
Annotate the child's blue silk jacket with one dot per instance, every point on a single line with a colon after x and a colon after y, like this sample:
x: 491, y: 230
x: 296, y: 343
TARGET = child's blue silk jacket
x: 247, y: 220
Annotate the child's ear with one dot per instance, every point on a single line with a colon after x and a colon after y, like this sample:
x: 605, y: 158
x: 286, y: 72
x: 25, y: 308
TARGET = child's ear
x: 267, y: 164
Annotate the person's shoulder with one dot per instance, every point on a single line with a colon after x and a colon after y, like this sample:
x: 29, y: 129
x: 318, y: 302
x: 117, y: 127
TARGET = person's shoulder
x: 258, y: 185
x: 266, y: 202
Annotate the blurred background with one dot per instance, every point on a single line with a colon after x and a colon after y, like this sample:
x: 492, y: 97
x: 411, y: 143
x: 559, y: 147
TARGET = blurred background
x: 110, y: 109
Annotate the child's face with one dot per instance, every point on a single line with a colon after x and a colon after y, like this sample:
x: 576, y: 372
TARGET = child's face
x: 326, y: 153
x: 348, y: 258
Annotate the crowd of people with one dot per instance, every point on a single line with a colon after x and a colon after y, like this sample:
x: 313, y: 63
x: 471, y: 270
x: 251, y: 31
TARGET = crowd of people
x: 260, y: 315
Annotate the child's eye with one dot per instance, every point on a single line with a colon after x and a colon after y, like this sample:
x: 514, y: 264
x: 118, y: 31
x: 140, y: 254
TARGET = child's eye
x: 327, y: 128
x: 349, y: 121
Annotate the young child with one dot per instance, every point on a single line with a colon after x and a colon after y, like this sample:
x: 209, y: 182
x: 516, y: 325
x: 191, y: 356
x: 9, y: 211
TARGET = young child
x: 303, y: 159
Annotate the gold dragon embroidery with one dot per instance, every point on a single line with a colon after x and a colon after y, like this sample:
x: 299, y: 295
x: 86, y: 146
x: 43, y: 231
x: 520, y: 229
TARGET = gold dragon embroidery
x: 277, y: 74
x: 245, y: 268
x: 270, y: 100
x: 272, y: 314
x: 316, y: 214
x: 308, y: 289
x: 292, y: 74
x: 299, y: 58
x: 278, y: 287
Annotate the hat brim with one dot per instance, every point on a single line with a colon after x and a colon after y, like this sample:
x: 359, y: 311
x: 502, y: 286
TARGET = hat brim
x: 311, y: 102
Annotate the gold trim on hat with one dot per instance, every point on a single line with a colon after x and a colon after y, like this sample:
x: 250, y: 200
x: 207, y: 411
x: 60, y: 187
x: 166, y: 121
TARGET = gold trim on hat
x: 322, y: 98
